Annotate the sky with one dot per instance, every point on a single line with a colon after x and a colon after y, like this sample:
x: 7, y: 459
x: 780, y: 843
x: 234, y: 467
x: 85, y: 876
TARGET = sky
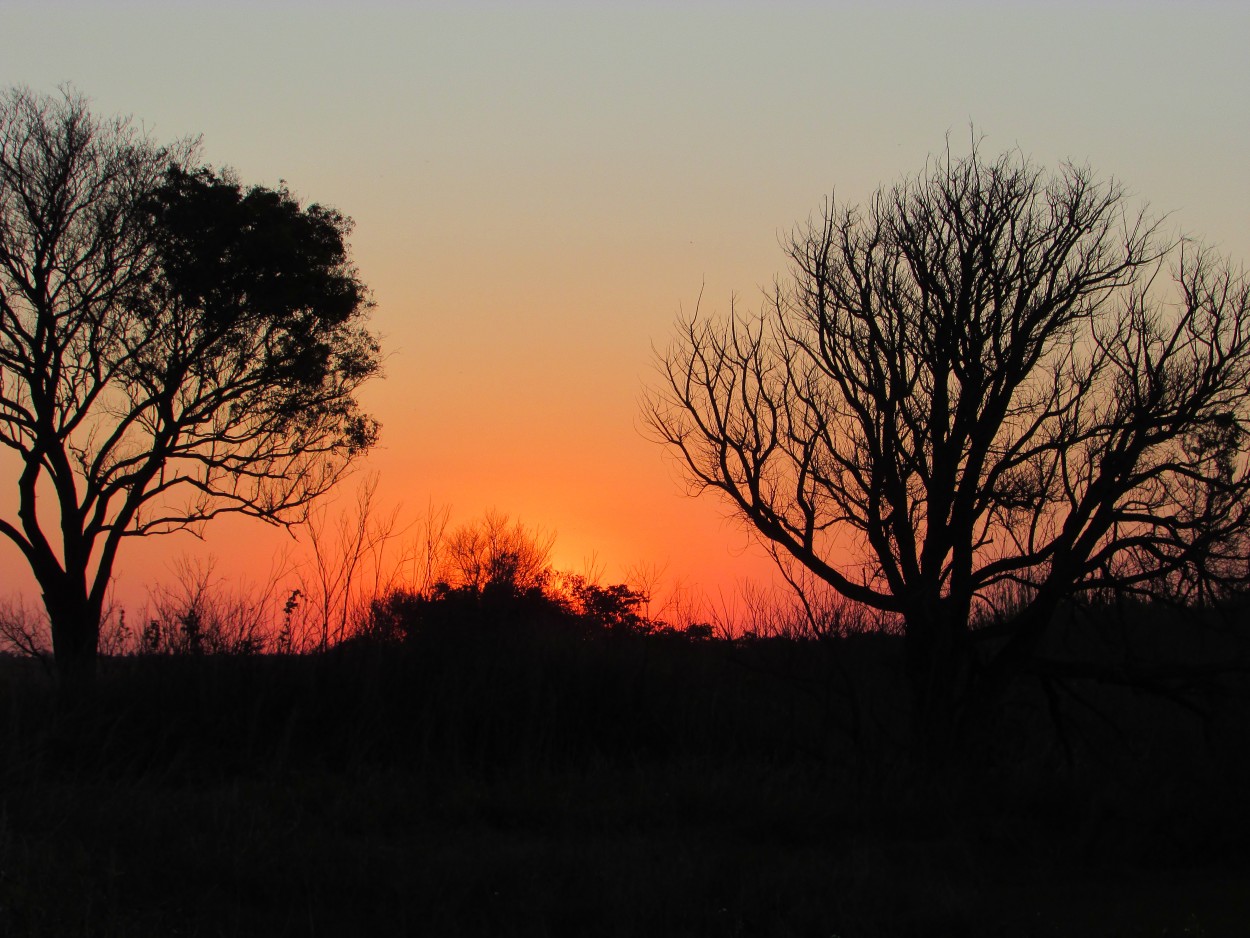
x: 540, y: 189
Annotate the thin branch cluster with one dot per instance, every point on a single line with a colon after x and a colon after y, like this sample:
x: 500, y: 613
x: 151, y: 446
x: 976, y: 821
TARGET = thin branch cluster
x: 986, y: 378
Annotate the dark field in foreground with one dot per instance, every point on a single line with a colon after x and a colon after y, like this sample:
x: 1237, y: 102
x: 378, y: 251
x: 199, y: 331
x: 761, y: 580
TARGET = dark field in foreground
x: 490, y: 782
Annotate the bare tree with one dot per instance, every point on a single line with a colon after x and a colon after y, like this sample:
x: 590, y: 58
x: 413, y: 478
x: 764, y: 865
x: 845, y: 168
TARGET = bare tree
x: 986, y: 375
x: 495, y: 551
x: 423, y: 561
x: 348, y: 567
x: 24, y: 631
x: 173, y: 346
x: 198, y: 612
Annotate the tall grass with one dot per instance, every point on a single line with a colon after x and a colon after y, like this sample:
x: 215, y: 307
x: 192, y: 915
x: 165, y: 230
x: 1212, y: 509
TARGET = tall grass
x: 532, y: 774
x: 393, y: 748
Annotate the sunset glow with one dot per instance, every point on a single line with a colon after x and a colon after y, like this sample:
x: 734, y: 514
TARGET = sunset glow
x: 540, y: 190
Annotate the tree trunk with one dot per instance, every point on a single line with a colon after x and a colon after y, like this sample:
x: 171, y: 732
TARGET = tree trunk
x: 1027, y: 632
x: 939, y: 670
x: 75, y: 623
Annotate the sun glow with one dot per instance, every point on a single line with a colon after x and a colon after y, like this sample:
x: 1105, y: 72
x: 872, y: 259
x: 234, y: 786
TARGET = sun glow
x: 538, y: 194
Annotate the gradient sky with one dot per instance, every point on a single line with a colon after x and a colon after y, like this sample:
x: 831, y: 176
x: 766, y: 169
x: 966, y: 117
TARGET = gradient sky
x: 539, y: 190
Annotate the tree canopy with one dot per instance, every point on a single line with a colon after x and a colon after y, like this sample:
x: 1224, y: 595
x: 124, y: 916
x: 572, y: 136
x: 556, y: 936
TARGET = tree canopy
x: 173, y: 346
x: 987, y: 380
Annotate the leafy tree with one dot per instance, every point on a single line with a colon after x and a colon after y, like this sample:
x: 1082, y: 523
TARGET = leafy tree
x: 494, y: 574
x: 987, y: 379
x: 615, y: 606
x: 173, y: 346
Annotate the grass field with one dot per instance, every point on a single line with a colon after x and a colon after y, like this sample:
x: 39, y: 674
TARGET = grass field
x: 529, y: 783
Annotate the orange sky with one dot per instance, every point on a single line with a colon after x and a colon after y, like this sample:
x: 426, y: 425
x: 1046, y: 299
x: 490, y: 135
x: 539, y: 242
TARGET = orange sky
x: 540, y: 189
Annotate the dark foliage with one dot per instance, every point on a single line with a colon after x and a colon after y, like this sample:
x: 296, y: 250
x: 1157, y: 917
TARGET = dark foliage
x: 576, y: 607
x: 507, y: 769
x: 172, y: 347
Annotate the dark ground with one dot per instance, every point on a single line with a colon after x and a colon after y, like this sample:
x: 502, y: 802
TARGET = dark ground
x: 517, y: 783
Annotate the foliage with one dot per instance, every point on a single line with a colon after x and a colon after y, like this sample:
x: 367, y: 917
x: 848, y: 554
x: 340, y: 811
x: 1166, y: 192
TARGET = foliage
x: 173, y: 346
x: 495, y: 573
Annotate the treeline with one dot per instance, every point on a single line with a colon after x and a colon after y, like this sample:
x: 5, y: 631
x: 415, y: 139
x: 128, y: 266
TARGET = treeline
x: 364, y: 578
x: 513, y: 753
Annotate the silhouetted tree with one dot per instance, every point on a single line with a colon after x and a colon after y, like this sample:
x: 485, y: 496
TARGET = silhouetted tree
x: 197, y: 612
x: 347, y: 567
x: 985, y: 376
x: 173, y: 346
x: 498, y: 554
x: 616, y: 606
